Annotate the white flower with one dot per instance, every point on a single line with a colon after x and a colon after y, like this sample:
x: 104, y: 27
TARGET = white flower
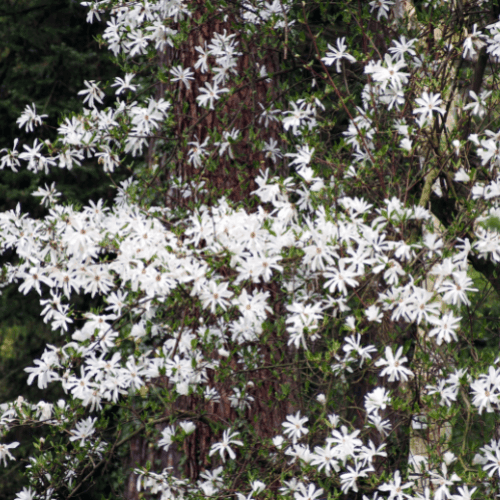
x: 294, y: 426
x: 442, y: 492
x: 333, y: 420
x: 406, y: 144
x: 339, y: 279
x: 429, y: 103
x: 422, y: 305
x: 346, y: 444
x: 377, y: 400
x: 202, y: 62
x: 138, y: 42
x: 491, y: 462
x: 472, y: 41
x: 227, y: 139
x: 92, y: 93
x: 348, y: 479
x: 224, y: 445
x: 210, y: 94
x: 29, y: 118
x: 395, y: 488
x: 403, y: 47
x: 445, y: 328
x: 182, y: 75
x: 4, y: 452
x: 390, y: 73
x: 212, y: 480
x: 303, y: 156
x: 25, y: 494
x: 303, y: 114
x: 325, y: 458
x: 455, y: 292
x: 167, y: 437
x: 84, y: 429
x: 197, y: 152
x: 464, y: 493
x: 10, y: 159
x: 187, y: 426
x: 34, y: 278
x: 278, y: 441
x: 309, y: 493
x: 373, y: 313
x: 337, y: 54
x: 383, y: 6
x: 485, y: 394
x: 124, y: 84
x: 383, y: 426
x: 258, y: 486
x: 394, y: 365
x: 240, y: 399
x: 461, y: 175
x: 49, y: 194
x: 215, y: 295
x: 321, y: 398
x: 269, y: 114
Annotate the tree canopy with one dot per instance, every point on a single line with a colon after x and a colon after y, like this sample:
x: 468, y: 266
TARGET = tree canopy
x: 295, y: 291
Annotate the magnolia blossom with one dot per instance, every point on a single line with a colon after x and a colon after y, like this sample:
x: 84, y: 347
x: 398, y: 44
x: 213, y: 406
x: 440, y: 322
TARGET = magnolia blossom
x: 225, y: 445
x: 429, y: 103
x: 393, y: 364
x: 294, y: 426
x: 335, y: 55
x: 186, y: 311
x: 5, y: 453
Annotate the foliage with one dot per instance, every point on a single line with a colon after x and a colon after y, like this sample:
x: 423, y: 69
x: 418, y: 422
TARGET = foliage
x: 47, y: 50
x: 294, y: 293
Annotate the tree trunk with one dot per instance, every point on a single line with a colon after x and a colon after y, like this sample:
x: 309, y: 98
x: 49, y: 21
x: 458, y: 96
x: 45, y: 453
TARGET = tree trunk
x: 234, y: 178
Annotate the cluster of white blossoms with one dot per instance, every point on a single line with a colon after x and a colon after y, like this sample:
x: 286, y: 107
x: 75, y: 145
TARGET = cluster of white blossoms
x: 223, y: 260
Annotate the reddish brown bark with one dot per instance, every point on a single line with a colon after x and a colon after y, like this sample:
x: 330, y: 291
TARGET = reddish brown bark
x: 231, y: 177
x: 235, y: 179
x: 265, y: 415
